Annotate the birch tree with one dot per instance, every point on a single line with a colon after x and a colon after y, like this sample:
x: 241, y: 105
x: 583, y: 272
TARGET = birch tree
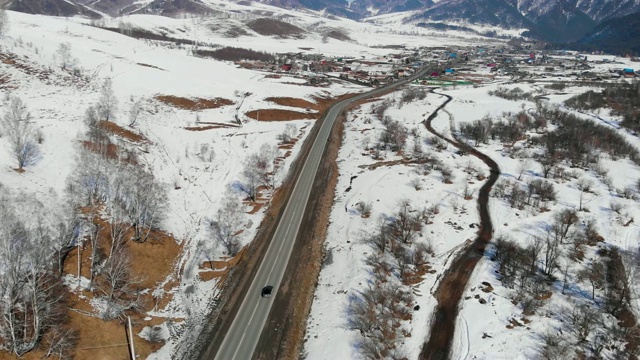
x: 108, y: 102
x: 145, y: 202
x: 227, y: 225
x: 119, y: 288
x: 16, y: 125
x: 30, y: 294
x: 4, y: 21
x: 65, y: 58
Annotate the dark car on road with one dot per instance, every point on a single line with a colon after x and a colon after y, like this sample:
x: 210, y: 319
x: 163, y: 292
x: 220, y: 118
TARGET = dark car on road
x: 266, y: 291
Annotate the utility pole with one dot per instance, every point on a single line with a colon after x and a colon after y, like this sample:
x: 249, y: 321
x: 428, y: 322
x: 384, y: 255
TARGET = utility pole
x: 79, y: 244
x: 131, y: 348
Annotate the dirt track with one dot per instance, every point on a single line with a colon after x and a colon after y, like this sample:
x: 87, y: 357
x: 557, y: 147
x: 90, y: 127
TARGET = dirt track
x: 455, y: 279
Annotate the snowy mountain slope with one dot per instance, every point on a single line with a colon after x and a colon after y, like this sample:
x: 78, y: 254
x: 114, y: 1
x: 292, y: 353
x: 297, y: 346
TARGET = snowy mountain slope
x: 550, y: 20
x: 600, y: 10
x: 616, y: 35
x: 553, y: 21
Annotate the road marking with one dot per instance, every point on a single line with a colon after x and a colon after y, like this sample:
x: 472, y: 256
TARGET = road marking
x: 245, y: 330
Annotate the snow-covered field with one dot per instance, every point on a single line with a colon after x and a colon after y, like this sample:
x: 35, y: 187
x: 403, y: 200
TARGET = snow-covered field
x: 484, y: 329
x: 328, y: 335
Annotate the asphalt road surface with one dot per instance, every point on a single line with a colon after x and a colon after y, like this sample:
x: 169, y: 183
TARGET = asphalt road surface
x: 240, y: 341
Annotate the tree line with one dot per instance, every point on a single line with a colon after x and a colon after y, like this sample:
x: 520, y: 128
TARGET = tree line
x: 108, y: 202
x: 379, y: 311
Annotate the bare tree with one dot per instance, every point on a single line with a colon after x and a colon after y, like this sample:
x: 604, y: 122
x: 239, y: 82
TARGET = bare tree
x: 554, y: 347
x: 584, y: 185
x: 119, y: 289
x: 416, y: 183
x: 146, y: 202
x: 67, y: 227
x: 30, y: 294
x: 60, y: 342
x: 288, y: 133
x: 65, y: 58
x: 548, y: 163
x: 523, y: 165
x: 95, y: 132
x: 583, y: 319
x: 563, y: 221
x: 227, y: 225
x: 268, y: 154
x: 4, y: 22
x: 404, y: 225
x: 252, y: 176
x: 621, y: 276
x: 135, y: 111
x: 565, y: 276
x: 16, y: 125
x: 594, y: 273
x: 379, y: 239
x: 108, y: 102
x: 552, y: 253
x: 532, y: 253
x: 364, y: 208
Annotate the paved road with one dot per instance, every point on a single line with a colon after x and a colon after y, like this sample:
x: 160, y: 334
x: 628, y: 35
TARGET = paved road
x: 240, y: 341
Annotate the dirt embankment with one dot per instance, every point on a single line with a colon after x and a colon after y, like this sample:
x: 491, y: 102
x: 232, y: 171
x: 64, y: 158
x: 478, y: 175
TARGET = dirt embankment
x: 312, y: 109
x: 455, y: 278
x: 193, y: 104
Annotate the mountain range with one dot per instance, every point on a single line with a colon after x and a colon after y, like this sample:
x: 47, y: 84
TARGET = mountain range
x: 558, y: 21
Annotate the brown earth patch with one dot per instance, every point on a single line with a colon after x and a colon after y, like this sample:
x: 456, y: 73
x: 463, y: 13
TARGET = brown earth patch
x: 20, y: 64
x: 43, y: 74
x: 209, y: 275
x: 321, y: 105
x: 193, y: 104
x: 203, y: 128
x: 110, y: 151
x: 403, y: 161
x: 154, y: 261
x: 210, y: 125
x: 280, y: 115
x: 293, y: 102
x: 417, y: 276
x: 255, y: 207
x: 151, y: 66
x: 5, y: 82
x: 118, y: 130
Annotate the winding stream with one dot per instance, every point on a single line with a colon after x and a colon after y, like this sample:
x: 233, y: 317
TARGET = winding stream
x: 455, y: 278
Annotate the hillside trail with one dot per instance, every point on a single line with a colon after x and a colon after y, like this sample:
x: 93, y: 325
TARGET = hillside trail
x: 455, y: 278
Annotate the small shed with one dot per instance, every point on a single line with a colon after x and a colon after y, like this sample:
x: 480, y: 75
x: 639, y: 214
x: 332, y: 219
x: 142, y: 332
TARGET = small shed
x: 286, y: 67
